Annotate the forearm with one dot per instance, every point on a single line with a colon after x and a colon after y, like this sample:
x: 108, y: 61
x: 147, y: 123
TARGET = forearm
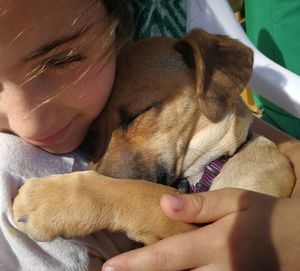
x: 263, y: 128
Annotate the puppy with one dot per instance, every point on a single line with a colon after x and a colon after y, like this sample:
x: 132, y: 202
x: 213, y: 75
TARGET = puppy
x: 175, y: 114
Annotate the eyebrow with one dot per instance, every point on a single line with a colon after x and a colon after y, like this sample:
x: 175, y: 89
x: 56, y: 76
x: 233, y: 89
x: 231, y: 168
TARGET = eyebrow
x: 48, y: 47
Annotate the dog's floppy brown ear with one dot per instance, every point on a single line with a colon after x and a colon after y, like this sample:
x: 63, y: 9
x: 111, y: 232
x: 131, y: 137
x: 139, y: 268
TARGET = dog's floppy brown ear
x: 223, y: 68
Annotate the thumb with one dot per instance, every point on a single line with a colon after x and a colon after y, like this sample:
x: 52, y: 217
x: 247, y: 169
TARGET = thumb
x: 206, y: 206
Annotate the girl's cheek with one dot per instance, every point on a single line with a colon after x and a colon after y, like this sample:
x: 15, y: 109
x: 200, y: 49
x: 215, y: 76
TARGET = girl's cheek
x: 53, y: 89
x: 95, y: 88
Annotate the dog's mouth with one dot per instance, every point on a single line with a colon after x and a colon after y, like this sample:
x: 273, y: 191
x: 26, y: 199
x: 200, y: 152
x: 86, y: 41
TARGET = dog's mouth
x: 168, y: 177
x: 165, y: 174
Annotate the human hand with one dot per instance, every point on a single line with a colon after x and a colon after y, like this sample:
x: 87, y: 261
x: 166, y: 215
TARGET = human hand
x: 249, y: 231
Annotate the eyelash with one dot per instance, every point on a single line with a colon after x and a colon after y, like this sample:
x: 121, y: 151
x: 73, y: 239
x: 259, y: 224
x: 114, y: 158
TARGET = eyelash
x: 64, y: 61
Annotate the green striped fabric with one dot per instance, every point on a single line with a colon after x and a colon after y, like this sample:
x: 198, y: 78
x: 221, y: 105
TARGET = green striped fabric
x: 159, y: 18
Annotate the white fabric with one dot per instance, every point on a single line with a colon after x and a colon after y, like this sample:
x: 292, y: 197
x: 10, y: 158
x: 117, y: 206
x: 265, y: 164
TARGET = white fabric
x: 272, y: 81
x: 19, y: 161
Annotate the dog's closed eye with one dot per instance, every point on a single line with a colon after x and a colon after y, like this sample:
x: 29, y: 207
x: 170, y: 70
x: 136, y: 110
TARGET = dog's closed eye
x: 127, y: 118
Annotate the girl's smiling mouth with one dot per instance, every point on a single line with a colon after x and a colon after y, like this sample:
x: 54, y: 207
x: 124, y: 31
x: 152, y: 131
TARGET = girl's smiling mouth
x: 52, y: 139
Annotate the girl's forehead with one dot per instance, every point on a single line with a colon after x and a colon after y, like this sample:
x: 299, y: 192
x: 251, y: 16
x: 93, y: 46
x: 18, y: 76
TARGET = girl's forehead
x: 25, y: 15
x: 34, y: 7
x: 28, y: 24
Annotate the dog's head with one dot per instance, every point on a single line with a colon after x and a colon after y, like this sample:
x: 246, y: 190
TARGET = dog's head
x: 174, y: 105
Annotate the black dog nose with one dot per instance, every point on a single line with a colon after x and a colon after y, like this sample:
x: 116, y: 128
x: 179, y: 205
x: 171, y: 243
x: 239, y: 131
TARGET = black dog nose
x: 165, y: 175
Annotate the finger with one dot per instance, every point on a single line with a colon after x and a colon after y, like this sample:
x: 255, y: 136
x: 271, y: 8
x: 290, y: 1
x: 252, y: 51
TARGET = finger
x: 207, y: 206
x: 171, y: 254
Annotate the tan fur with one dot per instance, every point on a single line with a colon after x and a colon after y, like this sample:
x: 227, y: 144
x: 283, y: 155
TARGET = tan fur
x: 174, y: 108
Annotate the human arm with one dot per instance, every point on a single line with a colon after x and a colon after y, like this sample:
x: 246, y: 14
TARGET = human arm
x: 250, y: 231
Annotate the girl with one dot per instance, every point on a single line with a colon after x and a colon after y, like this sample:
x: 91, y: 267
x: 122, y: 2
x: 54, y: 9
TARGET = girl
x: 56, y: 72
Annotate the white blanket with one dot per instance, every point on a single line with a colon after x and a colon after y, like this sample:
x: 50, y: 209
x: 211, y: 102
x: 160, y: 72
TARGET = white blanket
x: 19, y: 161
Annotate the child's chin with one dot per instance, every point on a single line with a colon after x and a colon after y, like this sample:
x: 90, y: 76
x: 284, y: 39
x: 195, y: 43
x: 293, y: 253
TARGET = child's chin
x: 61, y: 148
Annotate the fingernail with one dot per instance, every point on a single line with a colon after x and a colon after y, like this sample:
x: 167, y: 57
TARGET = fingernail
x: 23, y: 218
x: 108, y: 268
x: 175, y: 203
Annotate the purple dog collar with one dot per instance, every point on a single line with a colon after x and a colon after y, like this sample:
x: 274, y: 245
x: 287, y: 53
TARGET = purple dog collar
x: 210, y: 172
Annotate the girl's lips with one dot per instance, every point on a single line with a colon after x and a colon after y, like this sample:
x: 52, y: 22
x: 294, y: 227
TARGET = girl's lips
x: 55, y: 138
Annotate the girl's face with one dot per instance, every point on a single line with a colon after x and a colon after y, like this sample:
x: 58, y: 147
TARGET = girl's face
x: 55, y: 77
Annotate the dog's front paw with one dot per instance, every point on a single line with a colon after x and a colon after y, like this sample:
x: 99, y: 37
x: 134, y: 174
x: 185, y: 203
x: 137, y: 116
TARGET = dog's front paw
x: 47, y: 208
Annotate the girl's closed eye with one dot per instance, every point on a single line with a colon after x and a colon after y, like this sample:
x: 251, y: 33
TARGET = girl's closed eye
x: 57, y: 62
x: 63, y: 61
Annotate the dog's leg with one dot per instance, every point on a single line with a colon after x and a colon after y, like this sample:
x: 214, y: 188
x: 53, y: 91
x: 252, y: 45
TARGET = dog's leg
x: 80, y: 203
